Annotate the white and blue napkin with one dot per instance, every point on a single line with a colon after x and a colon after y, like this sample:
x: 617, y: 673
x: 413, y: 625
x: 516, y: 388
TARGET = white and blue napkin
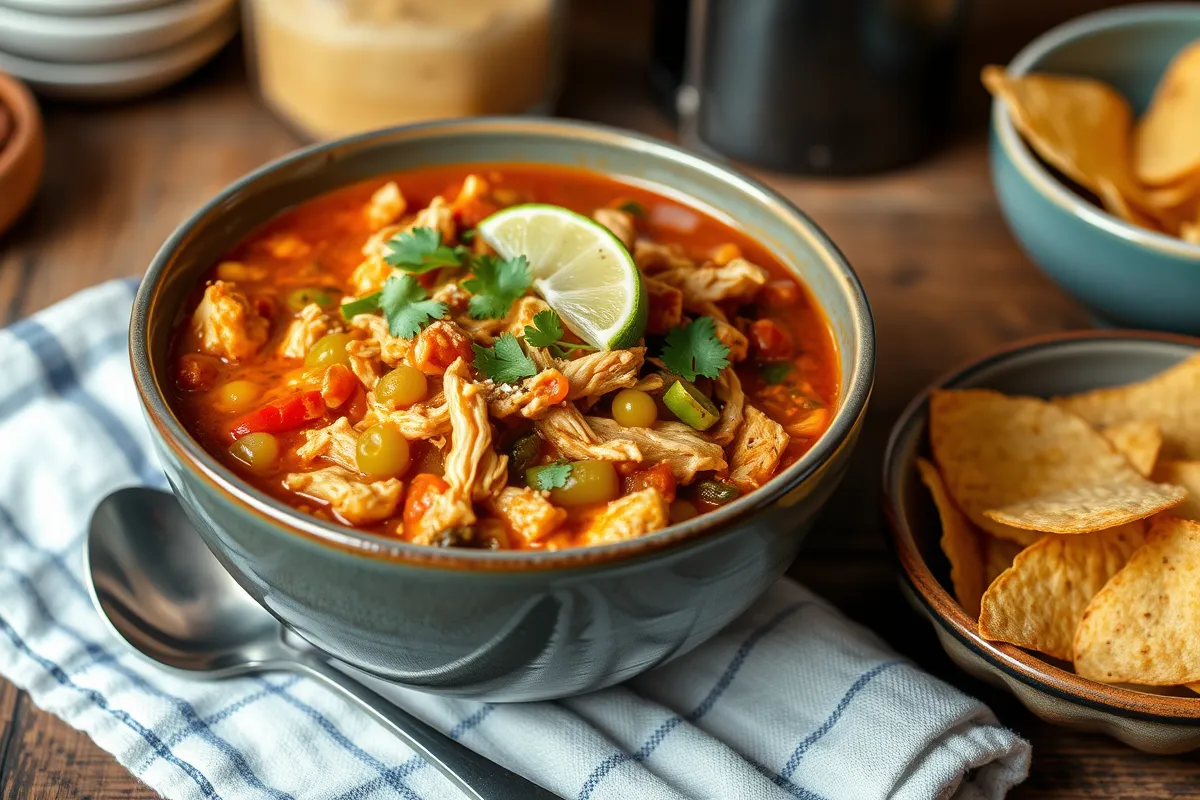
x: 791, y: 701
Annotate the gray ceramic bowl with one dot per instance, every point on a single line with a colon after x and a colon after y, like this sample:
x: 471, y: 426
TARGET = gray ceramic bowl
x: 1056, y: 365
x: 1128, y: 276
x: 501, y: 625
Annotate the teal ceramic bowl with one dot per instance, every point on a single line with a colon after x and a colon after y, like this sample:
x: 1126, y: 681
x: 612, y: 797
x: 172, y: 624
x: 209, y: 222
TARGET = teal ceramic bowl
x: 501, y: 625
x: 1126, y: 275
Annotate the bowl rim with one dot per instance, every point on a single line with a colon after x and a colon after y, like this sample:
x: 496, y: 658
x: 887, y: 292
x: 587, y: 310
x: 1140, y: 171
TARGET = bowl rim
x: 855, y: 392
x: 1036, y: 174
x: 1022, y: 665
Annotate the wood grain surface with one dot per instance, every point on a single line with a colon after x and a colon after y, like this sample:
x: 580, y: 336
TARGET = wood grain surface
x: 945, y: 278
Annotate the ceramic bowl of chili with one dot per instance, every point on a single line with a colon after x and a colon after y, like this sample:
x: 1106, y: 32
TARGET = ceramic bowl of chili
x: 505, y: 625
x: 22, y: 149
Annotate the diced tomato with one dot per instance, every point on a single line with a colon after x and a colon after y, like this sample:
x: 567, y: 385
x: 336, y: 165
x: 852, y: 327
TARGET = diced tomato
x: 553, y: 391
x: 439, y: 346
x: 283, y: 415
x: 778, y: 294
x: 421, y: 493
x: 338, y: 385
x: 769, y: 340
x: 197, y: 372
x: 657, y: 477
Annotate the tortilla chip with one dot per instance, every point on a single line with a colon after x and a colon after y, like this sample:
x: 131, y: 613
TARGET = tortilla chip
x: 1170, y: 398
x: 994, y: 451
x: 998, y: 555
x: 1118, y: 204
x: 1084, y: 509
x: 1039, y: 601
x: 1187, y: 475
x: 959, y: 542
x: 1166, y: 143
x: 1138, y: 440
x: 1142, y: 626
x: 1190, y: 232
x: 1078, y: 125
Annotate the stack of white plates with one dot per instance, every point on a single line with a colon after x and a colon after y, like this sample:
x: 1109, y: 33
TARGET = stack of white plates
x: 110, y: 49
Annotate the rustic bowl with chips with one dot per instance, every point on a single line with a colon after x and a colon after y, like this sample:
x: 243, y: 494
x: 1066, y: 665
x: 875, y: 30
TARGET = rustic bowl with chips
x: 1126, y: 274
x: 1158, y: 719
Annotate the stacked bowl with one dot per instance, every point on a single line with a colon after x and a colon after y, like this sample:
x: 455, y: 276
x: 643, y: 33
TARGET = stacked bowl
x: 110, y: 49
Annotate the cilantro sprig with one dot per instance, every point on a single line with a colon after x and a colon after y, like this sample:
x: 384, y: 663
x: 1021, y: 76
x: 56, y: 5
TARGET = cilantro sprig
x: 550, y: 476
x: 547, y: 331
x: 775, y: 373
x: 505, y: 361
x: 405, y: 305
x: 421, y: 250
x: 497, y: 284
x: 694, y: 349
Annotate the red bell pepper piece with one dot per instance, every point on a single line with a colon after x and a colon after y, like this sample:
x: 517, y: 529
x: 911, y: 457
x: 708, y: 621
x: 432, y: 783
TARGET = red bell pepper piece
x: 283, y: 415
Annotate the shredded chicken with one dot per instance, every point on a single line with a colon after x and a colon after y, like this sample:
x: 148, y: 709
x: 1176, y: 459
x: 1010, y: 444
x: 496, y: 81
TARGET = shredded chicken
x: 483, y: 332
x: 385, y: 206
x: 728, y: 390
x: 738, y: 280
x: 473, y: 468
x: 628, y: 517
x: 654, y: 383
x: 420, y: 421
x: 309, y: 325
x: 756, y: 450
x: 226, y: 325
x: 357, y: 502
x: 527, y: 513
x: 565, y: 428
x: 735, y: 340
x: 532, y: 398
x: 237, y: 271
x: 666, y: 305
x: 602, y: 372
x: 437, y: 215
x: 473, y: 188
x: 337, y: 443
x: 392, y: 349
x: 370, y: 275
x: 652, y: 258
x: 687, y: 450
x: 620, y: 222
x: 522, y: 314
x: 453, y: 295
x: 364, y: 361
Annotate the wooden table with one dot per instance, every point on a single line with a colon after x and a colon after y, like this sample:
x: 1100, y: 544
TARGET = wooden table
x: 945, y: 278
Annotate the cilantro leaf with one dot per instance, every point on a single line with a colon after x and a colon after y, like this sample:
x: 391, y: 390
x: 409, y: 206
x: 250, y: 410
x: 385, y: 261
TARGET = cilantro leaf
x: 633, y: 207
x: 547, y: 331
x: 694, y: 349
x: 363, y: 305
x: 550, y: 476
x: 467, y: 236
x: 775, y: 373
x: 496, y: 285
x: 407, y: 307
x: 421, y: 250
x: 505, y: 361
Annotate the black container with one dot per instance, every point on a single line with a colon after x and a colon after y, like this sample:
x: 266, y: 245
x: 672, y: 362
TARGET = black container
x: 833, y: 87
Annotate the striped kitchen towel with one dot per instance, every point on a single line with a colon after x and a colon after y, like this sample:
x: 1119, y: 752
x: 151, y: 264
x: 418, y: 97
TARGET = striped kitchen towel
x: 792, y: 700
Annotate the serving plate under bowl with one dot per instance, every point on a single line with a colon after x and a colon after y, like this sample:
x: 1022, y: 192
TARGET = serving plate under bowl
x: 504, y: 625
x: 1044, y: 367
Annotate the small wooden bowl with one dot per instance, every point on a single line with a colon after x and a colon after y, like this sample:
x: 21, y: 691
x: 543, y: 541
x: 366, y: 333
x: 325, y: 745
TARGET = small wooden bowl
x: 23, y: 153
x: 1052, y: 365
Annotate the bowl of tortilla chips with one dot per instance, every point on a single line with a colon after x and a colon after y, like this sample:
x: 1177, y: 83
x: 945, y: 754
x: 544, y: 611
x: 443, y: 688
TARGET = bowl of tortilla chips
x: 1044, y: 506
x: 1095, y: 155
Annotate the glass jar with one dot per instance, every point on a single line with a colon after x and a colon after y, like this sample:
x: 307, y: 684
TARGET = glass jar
x: 331, y: 68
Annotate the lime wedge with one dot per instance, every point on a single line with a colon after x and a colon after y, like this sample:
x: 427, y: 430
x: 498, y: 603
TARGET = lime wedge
x: 579, y: 267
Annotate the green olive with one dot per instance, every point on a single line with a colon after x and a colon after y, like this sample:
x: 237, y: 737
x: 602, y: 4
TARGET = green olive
x: 682, y: 510
x: 258, y: 451
x: 590, y: 482
x: 634, y: 409
x: 382, y: 452
x: 302, y: 297
x: 402, y: 387
x: 329, y: 350
x: 237, y: 396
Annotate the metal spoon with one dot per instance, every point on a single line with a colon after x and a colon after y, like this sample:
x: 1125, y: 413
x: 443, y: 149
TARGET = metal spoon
x: 156, y: 583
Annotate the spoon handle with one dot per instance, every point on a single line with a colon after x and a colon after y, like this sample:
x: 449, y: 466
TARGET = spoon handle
x: 478, y: 777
